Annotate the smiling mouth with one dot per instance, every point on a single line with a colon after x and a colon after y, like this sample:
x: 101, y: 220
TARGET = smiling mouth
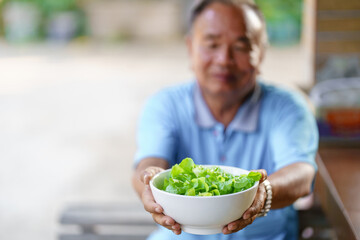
x: 224, y: 77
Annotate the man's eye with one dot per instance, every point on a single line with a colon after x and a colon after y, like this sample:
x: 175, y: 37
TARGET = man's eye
x: 241, y: 48
x: 212, y: 45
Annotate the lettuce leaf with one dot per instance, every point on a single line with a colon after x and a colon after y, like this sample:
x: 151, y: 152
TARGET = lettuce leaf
x: 190, y: 179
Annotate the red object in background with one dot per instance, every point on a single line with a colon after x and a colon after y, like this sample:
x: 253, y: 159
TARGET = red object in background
x: 344, y: 121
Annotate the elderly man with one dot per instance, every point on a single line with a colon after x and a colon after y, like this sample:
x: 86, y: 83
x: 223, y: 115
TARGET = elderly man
x: 229, y: 117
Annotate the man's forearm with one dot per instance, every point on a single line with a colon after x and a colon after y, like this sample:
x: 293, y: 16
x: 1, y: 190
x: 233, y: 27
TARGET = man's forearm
x: 290, y: 183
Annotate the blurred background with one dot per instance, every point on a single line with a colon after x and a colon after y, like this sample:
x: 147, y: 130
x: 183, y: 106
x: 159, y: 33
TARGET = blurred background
x: 74, y: 75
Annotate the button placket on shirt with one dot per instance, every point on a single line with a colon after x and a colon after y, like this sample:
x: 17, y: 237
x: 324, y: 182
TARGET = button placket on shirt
x: 220, y: 137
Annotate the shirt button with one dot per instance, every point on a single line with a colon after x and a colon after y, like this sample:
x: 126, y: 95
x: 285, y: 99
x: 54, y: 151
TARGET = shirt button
x: 215, y: 133
x: 223, y: 158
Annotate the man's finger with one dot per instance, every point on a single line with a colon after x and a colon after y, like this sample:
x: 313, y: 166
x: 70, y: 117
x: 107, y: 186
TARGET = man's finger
x: 237, y: 225
x: 167, y: 222
x: 149, y: 203
x: 146, y: 178
x: 164, y: 220
x: 149, y: 173
x: 263, y: 174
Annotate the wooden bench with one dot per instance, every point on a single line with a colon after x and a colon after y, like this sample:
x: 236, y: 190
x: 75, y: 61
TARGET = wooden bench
x: 105, y: 221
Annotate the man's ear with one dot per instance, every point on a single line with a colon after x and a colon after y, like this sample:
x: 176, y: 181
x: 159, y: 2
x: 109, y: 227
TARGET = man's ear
x: 262, y: 55
x: 261, y: 60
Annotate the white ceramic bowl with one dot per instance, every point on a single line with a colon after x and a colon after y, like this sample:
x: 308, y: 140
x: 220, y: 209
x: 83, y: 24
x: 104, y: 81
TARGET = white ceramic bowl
x: 203, y: 215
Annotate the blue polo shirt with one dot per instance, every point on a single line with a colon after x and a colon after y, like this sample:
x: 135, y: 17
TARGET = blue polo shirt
x: 272, y: 129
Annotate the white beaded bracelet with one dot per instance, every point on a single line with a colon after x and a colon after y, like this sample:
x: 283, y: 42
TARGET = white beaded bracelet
x: 267, y: 204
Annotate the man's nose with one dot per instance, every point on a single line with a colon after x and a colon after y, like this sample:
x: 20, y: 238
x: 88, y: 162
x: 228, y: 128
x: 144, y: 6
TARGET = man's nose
x: 224, y: 56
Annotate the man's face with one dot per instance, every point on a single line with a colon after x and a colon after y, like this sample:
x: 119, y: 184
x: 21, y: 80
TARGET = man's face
x: 220, y: 52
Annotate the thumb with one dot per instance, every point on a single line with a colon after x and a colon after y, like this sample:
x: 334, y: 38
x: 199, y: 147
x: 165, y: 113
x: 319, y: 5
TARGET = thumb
x: 149, y: 173
x: 263, y: 174
x: 146, y: 177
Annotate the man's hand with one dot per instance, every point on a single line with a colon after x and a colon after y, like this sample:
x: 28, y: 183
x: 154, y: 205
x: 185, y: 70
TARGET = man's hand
x: 151, y: 206
x: 250, y: 214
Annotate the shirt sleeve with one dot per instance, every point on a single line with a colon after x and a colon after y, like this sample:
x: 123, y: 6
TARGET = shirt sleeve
x: 294, y: 135
x: 156, y: 133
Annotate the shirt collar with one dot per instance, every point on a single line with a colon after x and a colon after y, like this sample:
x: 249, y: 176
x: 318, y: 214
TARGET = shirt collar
x: 246, y: 118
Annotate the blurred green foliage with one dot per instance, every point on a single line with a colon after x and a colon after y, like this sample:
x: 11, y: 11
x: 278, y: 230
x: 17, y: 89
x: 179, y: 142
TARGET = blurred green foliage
x: 277, y: 10
x: 283, y: 19
x: 49, y: 8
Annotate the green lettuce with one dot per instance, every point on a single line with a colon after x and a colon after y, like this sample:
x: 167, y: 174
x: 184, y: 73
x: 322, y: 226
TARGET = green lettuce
x: 190, y: 179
